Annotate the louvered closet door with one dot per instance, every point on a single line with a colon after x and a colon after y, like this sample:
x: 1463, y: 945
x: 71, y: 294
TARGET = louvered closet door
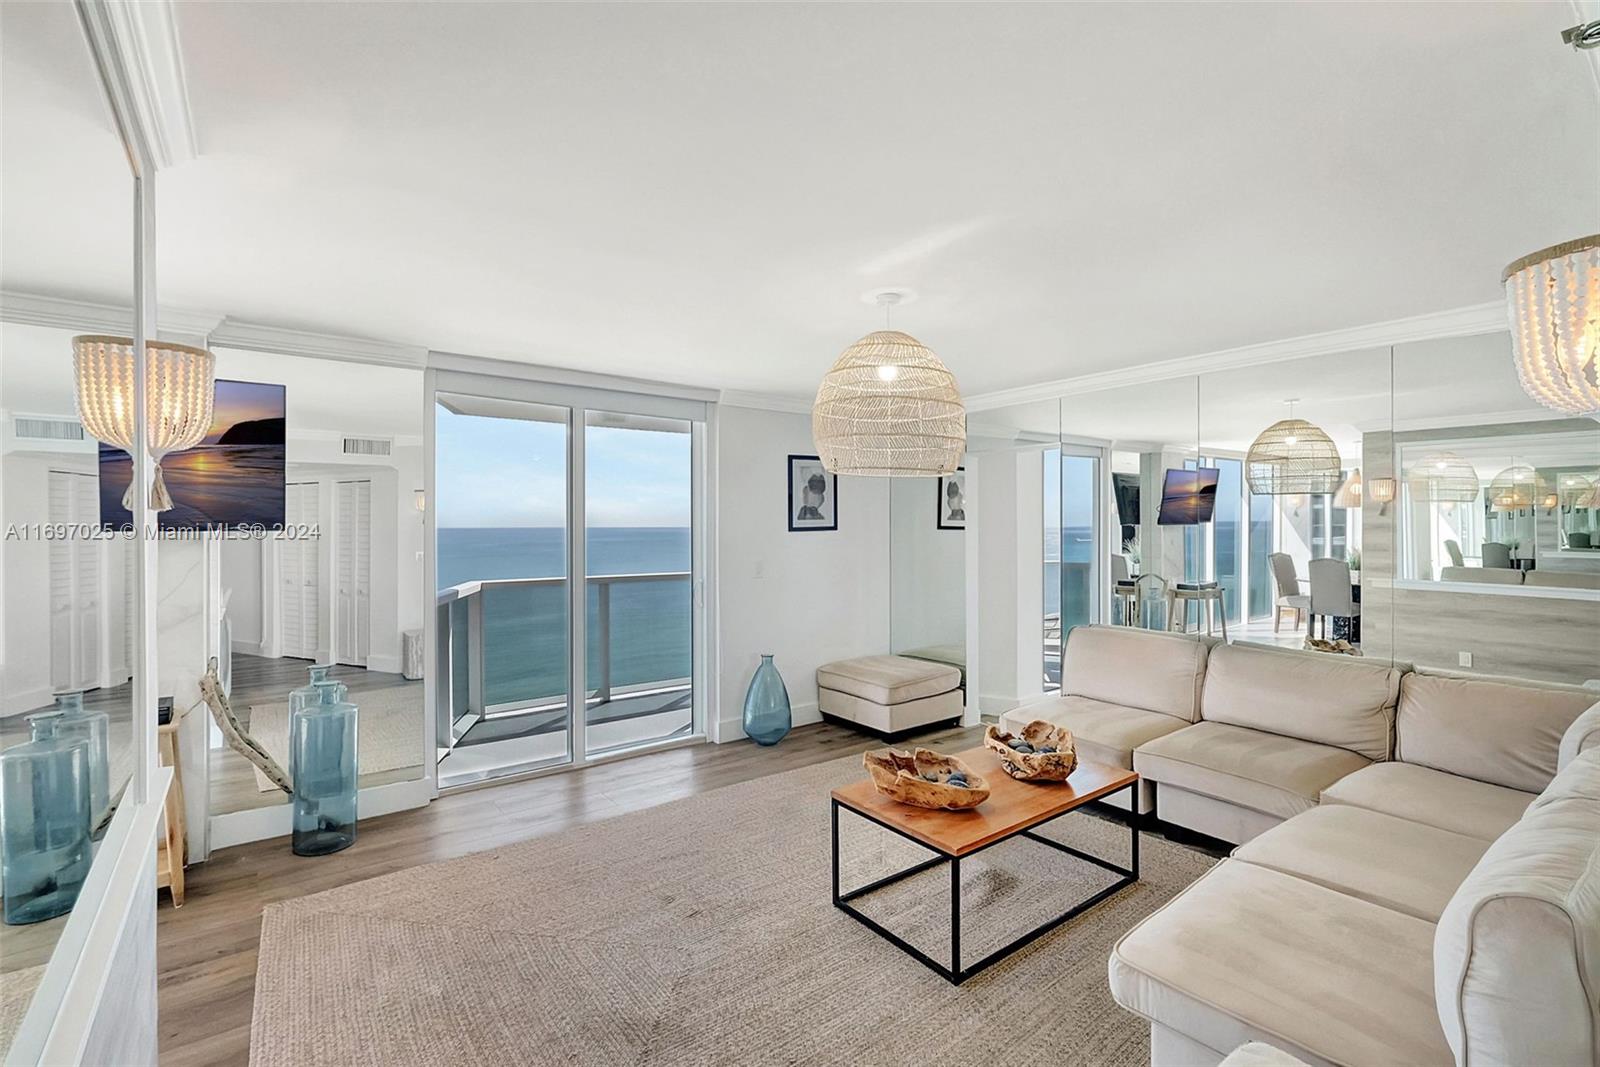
x: 353, y: 581
x: 299, y: 573
x: 75, y: 568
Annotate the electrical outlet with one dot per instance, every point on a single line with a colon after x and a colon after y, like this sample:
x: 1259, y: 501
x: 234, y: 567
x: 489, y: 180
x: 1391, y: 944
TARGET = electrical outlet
x: 1464, y: 659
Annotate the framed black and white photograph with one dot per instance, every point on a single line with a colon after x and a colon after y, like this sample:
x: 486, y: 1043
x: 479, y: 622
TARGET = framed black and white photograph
x: 813, y: 495
x: 953, y: 500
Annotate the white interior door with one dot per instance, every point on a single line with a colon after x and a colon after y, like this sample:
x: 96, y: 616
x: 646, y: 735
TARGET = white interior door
x: 299, y: 573
x: 353, y: 577
x: 75, y: 572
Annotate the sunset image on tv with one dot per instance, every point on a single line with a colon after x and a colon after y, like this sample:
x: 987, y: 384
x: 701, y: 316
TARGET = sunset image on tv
x: 232, y: 478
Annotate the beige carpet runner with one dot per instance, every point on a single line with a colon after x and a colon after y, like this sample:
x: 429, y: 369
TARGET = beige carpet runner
x: 702, y: 932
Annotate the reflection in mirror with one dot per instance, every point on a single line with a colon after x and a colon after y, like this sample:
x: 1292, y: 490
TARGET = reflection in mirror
x: 1494, y: 520
x: 341, y: 585
x: 1019, y: 569
x: 67, y: 589
x: 1286, y: 545
x: 928, y: 568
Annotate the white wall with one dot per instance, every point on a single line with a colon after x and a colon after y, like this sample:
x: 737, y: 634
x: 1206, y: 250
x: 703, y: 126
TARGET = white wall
x: 809, y: 598
x: 241, y: 576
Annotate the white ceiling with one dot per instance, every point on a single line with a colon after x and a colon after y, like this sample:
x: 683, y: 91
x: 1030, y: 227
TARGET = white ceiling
x: 700, y: 193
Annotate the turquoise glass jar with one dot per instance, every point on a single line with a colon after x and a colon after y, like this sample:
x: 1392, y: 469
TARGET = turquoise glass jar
x: 766, y: 705
x: 308, y: 694
x: 323, y: 770
x: 94, y: 728
x: 44, y: 822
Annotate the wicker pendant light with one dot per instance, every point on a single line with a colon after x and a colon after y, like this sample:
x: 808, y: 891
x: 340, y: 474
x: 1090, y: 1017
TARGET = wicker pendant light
x: 180, y: 388
x: 1576, y: 491
x: 1553, y: 298
x: 889, y: 407
x: 1518, y: 488
x: 1443, y: 478
x: 1349, y: 494
x: 1291, y: 457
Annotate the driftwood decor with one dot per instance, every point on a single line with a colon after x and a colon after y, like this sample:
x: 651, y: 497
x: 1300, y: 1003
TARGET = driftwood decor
x: 905, y: 776
x: 1341, y: 646
x: 233, y: 732
x: 1034, y: 765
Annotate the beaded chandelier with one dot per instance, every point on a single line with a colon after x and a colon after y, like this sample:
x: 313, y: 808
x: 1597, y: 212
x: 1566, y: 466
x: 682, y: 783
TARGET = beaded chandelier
x: 179, y: 392
x: 1293, y: 457
x: 889, y: 407
x: 1553, y: 297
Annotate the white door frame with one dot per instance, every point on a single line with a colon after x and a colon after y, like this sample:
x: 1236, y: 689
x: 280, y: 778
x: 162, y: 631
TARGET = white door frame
x: 579, y: 394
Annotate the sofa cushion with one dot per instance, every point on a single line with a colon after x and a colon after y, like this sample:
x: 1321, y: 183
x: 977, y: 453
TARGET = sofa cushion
x: 1495, y: 731
x: 1433, y: 798
x: 1332, y: 700
x: 1581, y: 736
x: 1248, y: 953
x: 1281, y: 776
x: 1143, y: 669
x: 1517, y: 954
x: 1380, y: 858
x: 1101, y: 732
x: 888, y: 679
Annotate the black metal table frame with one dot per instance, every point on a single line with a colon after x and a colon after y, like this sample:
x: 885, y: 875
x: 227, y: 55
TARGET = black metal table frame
x: 955, y: 973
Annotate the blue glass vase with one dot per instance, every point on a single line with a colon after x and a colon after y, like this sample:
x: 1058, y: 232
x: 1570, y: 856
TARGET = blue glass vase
x: 44, y: 822
x: 308, y: 694
x: 323, y: 770
x: 766, y: 705
x: 94, y: 728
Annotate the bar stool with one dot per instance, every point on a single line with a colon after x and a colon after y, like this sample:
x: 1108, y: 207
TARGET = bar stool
x: 1208, y: 594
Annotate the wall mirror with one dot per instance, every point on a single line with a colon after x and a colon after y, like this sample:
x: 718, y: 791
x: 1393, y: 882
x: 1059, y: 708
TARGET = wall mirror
x: 67, y: 587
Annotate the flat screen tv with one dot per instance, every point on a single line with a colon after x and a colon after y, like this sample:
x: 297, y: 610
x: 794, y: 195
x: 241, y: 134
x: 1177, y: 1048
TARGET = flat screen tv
x: 1188, y: 496
x: 233, y: 479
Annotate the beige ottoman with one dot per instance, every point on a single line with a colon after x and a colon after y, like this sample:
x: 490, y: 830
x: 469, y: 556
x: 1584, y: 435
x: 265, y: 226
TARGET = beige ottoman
x: 889, y: 694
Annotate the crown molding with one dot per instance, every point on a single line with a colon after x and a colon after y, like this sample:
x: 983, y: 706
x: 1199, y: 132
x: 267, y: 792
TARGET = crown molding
x: 1457, y: 322
x: 285, y: 342
x: 739, y: 398
x: 145, y: 36
x: 31, y: 309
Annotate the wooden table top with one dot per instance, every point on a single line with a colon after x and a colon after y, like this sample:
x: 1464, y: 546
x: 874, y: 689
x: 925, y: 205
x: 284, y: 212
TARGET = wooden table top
x: 1012, y: 805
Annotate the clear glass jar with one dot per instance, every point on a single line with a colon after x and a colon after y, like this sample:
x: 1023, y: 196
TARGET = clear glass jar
x: 45, y: 818
x: 324, y: 770
x: 308, y: 694
x: 93, y: 727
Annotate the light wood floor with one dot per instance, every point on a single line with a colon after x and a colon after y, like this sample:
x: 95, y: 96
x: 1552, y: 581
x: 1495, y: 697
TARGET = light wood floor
x: 206, y: 953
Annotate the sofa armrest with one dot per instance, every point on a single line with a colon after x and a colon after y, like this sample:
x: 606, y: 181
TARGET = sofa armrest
x: 1581, y: 736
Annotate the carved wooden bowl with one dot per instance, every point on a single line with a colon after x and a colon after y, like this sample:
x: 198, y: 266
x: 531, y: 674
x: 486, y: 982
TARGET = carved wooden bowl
x: 1034, y: 766
x: 903, y: 776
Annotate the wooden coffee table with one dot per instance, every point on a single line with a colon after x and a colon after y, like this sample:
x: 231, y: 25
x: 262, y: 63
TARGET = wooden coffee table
x: 1014, y: 809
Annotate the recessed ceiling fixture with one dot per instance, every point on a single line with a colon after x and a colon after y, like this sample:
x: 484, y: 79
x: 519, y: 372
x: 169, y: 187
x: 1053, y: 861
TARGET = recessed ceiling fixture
x: 889, y: 407
x: 1443, y: 478
x: 1291, y: 457
x: 1553, y: 297
x: 180, y: 388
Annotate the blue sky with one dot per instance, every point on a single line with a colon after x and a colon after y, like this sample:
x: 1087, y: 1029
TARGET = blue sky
x: 508, y: 472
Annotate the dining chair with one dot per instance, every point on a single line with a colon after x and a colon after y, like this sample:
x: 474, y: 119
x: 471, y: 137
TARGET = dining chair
x: 1496, y: 554
x: 1123, y: 591
x: 1290, y: 598
x: 1331, y: 594
x: 1454, y: 548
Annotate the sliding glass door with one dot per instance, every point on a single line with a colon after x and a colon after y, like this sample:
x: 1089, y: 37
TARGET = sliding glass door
x: 1073, y: 548
x: 534, y: 484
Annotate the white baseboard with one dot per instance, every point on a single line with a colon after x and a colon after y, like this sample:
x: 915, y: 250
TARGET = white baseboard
x: 27, y: 700
x: 249, y: 648
x: 259, y: 824
x: 799, y: 715
x: 994, y: 704
x: 387, y: 664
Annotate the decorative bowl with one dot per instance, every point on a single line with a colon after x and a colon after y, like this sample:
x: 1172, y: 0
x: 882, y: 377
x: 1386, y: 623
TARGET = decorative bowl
x: 903, y: 776
x: 1034, y: 766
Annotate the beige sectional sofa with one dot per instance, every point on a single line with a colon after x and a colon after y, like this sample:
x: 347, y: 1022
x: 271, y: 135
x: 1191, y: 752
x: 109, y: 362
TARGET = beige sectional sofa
x: 1417, y: 883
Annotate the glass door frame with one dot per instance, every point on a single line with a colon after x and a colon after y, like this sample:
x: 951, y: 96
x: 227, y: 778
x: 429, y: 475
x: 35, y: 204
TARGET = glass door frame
x: 1099, y: 549
x: 578, y: 394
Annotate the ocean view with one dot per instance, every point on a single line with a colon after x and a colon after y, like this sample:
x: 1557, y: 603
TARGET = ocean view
x: 525, y: 627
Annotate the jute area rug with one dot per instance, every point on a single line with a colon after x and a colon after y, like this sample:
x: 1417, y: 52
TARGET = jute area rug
x: 387, y: 735
x: 702, y: 932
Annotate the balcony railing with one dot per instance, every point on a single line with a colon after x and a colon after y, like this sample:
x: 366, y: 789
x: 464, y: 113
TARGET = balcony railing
x: 503, y: 643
